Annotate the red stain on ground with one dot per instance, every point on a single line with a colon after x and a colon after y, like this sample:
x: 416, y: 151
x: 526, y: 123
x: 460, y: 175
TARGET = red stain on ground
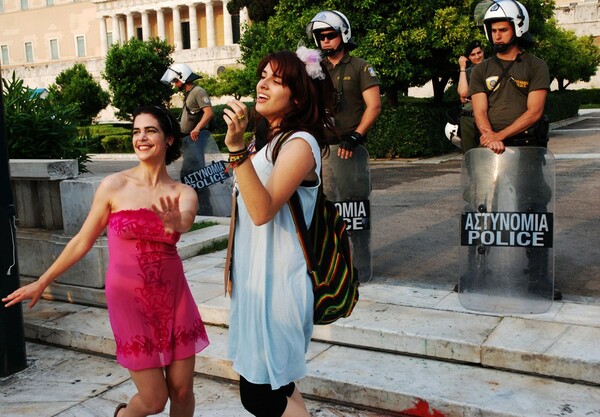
x: 421, y: 409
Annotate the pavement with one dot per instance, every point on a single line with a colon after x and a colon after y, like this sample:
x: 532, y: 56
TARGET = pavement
x: 409, y: 348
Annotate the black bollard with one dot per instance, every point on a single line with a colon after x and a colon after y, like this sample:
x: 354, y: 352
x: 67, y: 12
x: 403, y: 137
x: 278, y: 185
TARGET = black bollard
x: 13, y: 357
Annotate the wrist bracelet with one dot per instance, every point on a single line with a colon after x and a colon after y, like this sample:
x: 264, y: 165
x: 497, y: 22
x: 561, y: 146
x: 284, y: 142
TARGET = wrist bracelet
x: 240, y: 152
x: 463, y: 71
x: 237, y: 162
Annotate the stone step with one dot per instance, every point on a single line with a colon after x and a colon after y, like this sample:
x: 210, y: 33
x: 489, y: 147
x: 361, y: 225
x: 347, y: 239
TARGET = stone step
x: 362, y: 377
x: 561, y: 343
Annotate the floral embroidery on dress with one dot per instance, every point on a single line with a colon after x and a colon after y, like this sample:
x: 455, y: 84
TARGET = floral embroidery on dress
x: 155, y: 297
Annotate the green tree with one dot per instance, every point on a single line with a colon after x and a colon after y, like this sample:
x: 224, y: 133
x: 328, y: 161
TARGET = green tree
x: 76, y: 86
x: 569, y: 58
x: 133, y: 71
x: 36, y: 128
x: 258, y: 10
x: 236, y: 82
x: 411, y: 43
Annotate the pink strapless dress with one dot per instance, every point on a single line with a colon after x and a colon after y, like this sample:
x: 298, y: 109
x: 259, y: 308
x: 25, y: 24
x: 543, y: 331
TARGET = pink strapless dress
x: 153, y: 315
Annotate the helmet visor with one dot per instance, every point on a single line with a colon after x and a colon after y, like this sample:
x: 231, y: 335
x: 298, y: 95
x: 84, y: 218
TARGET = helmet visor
x: 169, y: 76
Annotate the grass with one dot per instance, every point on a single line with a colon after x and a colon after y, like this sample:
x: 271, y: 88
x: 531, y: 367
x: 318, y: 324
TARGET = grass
x: 214, y: 246
x: 202, y: 225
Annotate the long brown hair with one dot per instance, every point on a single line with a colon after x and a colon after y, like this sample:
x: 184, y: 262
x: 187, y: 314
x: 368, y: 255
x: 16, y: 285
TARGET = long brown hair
x: 314, y: 99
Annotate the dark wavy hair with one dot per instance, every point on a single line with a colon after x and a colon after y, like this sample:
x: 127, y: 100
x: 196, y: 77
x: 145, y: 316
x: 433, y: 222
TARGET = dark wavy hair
x: 314, y: 98
x: 168, y: 124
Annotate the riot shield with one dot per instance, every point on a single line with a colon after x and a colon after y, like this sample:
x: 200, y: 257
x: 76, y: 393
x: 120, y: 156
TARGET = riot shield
x: 347, y: 183
x: 203, y: 169
x: 506, y: 260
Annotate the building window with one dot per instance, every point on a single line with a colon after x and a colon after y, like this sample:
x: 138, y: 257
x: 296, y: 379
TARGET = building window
x: 49, y: 2
x: 5, y: 57
x: 24, y: 4
x: 235, y: 26
x: 1, y: 6
x: 80, y: 45
x: 54, y: 49
x: 109, y: 39
x: 28, y: 52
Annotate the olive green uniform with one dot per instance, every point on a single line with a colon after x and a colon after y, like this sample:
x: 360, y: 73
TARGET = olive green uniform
x: 351, y: 76
x: 194, y: 101
x: 508, y: 101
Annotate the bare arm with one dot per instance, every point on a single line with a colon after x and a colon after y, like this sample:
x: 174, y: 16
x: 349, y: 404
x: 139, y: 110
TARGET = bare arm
x: 493, y: 140
x: 295, y: 162
x: 76, y: 249
x: 372, y: 98
x: 463, y: 85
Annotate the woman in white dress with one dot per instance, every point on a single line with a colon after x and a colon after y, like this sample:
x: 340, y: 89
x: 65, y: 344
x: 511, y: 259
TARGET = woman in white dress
x: 272, y: 300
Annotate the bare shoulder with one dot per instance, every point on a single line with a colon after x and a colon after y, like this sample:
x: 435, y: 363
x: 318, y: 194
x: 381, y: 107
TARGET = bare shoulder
x: 115, y: 181
x: 183, y: 189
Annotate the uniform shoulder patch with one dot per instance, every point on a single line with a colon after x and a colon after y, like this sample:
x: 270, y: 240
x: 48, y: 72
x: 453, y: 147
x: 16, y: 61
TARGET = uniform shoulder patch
x: 371, y: 71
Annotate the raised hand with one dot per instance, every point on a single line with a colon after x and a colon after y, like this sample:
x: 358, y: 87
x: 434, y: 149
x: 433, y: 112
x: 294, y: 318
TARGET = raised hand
x: 168, y: 212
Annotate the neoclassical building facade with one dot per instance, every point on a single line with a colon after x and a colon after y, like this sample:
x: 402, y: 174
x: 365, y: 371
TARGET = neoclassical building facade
x: 41, y: 38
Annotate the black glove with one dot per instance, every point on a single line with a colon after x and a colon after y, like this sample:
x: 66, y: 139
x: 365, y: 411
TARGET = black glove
x: 351, y: 140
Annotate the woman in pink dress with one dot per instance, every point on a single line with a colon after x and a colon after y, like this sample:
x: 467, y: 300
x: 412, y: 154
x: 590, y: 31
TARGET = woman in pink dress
x: 155, y: 321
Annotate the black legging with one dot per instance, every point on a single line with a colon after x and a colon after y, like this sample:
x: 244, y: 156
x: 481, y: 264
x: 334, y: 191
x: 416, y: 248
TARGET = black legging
x: 262, y: 401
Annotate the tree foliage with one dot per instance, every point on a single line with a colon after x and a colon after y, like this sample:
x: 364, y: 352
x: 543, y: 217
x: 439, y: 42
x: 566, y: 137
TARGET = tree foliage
x: 133, y: 71
x: 258, y: 10
x: 409, y: 43
x: 233, y: 81
x: 37, y: 128
x: 76, y: 86
x: 569, y: 58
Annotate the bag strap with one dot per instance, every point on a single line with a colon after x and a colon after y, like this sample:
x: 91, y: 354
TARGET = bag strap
x: 300, y: 223
x: 504, y: 71
x: 227, y: 278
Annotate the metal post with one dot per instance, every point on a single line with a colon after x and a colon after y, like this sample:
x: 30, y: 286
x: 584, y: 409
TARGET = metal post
x: 13, y: 357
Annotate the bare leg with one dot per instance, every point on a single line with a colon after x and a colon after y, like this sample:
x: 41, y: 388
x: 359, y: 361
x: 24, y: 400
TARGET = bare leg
x: 296, y: 406
x: 152, y: 393
x: 180, y: 382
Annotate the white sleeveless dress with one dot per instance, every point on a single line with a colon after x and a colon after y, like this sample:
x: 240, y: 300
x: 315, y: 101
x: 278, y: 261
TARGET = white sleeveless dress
x: 271, y: 316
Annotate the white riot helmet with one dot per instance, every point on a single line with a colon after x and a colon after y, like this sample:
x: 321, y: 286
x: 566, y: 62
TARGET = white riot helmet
x: 181, y: 72
x: 506, y: 10
x: 331, y: 19
x: 451, y: 131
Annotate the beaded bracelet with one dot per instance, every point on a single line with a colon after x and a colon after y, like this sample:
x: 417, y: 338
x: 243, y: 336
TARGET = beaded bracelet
x: 237, y: 163
x: 240, y: 152
x: 237, y: 158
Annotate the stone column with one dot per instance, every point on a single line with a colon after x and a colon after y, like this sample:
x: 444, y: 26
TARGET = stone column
x: 160, y: 22
x: 103, y: 36
x: 227, y: 30
x: 210, y: 25
x: 122, y: 30
x: 145, y: 25
x: 243, y: 20
x: 177, y: 41
x: 115, y: 29
x: 193, y: 27
x: 130, y: 28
